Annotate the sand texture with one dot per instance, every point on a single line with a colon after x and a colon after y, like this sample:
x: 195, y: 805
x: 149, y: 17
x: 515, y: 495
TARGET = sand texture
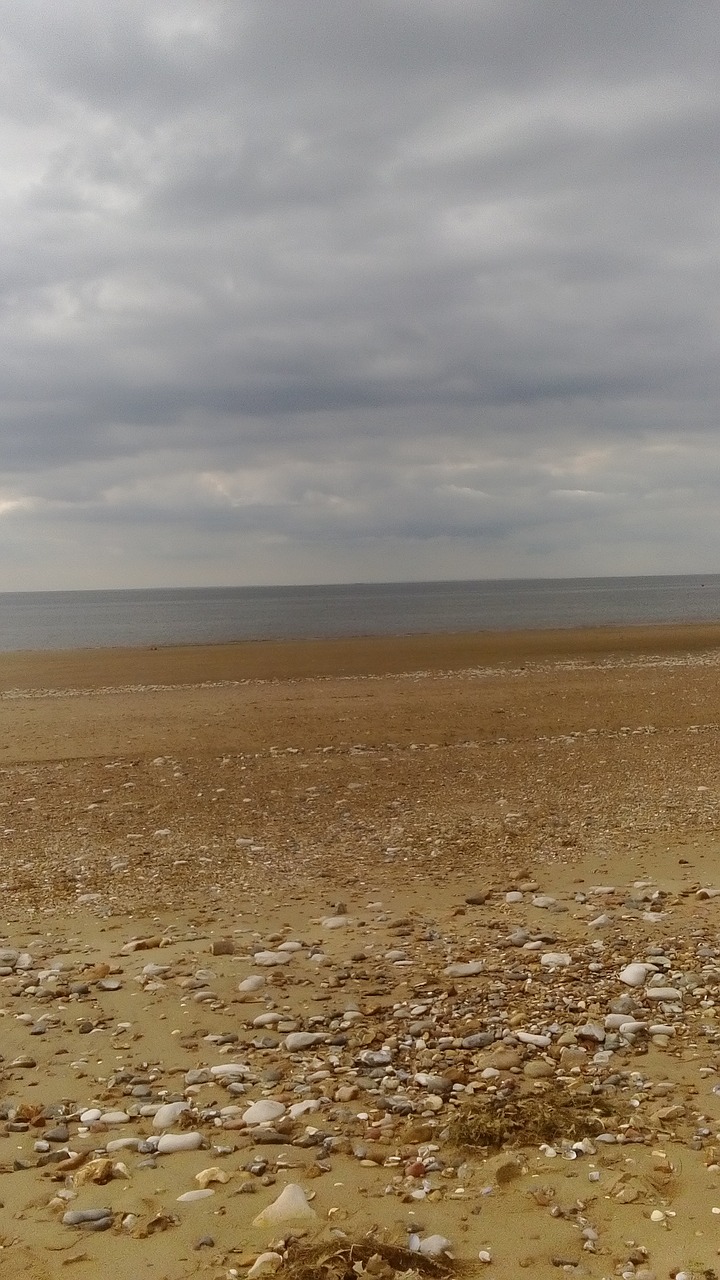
x: 426, y: 927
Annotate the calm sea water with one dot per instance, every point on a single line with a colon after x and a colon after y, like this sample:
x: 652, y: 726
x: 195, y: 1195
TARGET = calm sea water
x: 213, y: 615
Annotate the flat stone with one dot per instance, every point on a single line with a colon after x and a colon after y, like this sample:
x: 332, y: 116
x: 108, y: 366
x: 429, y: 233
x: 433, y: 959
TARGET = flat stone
x: 538, y: 1069
x: 263, y: 1112
x: 467, y: 969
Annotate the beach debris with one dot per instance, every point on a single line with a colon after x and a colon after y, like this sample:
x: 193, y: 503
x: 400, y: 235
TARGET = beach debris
x: 347, y: 1258
x: 530, y: 1119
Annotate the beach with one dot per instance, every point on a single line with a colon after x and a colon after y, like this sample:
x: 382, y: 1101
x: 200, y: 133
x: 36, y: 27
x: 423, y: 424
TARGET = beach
x: 380, y: 888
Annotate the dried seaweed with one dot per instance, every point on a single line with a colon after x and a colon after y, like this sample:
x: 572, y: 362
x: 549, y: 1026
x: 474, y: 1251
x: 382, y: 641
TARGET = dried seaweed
x: 528, y: 1119
x: 347, y: 1260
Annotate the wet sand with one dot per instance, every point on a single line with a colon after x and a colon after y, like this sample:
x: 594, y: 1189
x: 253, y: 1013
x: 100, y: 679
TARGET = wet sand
x: 179, y: 797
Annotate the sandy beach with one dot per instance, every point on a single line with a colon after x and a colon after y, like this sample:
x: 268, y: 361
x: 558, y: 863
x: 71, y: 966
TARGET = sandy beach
x: 355, y: 906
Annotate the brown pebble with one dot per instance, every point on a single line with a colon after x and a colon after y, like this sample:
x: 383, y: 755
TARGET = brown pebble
x: 222, y: 947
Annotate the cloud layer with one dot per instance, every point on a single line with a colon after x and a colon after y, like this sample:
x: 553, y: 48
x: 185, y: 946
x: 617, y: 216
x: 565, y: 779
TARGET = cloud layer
x: 341, y: 291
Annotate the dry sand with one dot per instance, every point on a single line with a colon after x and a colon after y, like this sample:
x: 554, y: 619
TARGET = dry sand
x: 156, y: 802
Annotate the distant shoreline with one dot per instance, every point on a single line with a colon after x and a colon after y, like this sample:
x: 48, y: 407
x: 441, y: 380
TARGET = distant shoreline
x: 347, y: 656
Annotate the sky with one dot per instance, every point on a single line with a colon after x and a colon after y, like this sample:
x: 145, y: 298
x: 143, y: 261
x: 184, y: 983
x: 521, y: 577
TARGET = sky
x: 357, y: 290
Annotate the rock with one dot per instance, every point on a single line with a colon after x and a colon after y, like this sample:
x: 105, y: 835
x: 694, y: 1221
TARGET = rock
x: 202, y: 1193
x: 464, y: 970
x: 265, y: 1265
x: 272, y: 958
x: 538, y: 1069
x: 88, y: 1218
x: 434, y: 1246
x: 263, y: 1112
x: 169, y: 1114
x: 298, y: 1040
x: 252, y: 983
x: 291, y: 1206
x: 91, y: 1116
x: 171, y: 1142
x: 222, y: 947
x: 478, y: 1040
x: 634, y: 975
x: 555, y: 959
x: 213, y: 1174
x: 503, y: 1059
x: 97, y: 1171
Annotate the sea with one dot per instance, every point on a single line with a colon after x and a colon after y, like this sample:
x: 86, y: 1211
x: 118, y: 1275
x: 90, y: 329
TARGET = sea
x: 218, y: 615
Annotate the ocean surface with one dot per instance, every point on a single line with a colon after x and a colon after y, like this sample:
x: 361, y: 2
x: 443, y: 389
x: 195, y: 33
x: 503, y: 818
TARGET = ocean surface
x: 215, y: 615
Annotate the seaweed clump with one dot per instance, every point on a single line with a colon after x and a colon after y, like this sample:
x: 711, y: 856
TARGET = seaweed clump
x: 531, y: 1118
x: 368, y: 1256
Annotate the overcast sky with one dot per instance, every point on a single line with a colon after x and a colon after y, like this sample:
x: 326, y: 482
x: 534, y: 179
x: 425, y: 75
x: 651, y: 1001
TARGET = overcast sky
x: 342, y: 290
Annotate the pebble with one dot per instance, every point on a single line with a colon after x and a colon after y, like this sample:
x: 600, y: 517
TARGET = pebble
x: 263, y: 1112
x: 266, y: 1264
x: 379, y: 1069
x: 169, y: 1114
x: 290, y: 1206
x: 271, y: 959
x: 169, y: 1143
x: 89, y: 1219
x: 634, y: 975
x: 299, y: 1040
x: 255, y: 982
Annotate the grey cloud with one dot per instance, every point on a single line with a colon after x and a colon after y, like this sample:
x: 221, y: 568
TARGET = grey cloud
x: 434, y: 277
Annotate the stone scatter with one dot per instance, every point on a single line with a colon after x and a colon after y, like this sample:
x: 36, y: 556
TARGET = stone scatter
x: 442, y: 973
x: 370, y: 1065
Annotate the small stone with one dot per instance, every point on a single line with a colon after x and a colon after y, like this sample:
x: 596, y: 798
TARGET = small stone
x: 222, y: 947
x: 263, y: 1112
x: 434, y: 1246
x: 265, y: 1265
x: 253, y: 983
x: 538, y: 1069
x: 298, y: 1040
x: 467, y: 969
x: 634, y: 975
x: 169, y: 1114
x: 291, y: 1206
x: 213, y: 1174
x: 88, y: 1218
x: 171, y: 1142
